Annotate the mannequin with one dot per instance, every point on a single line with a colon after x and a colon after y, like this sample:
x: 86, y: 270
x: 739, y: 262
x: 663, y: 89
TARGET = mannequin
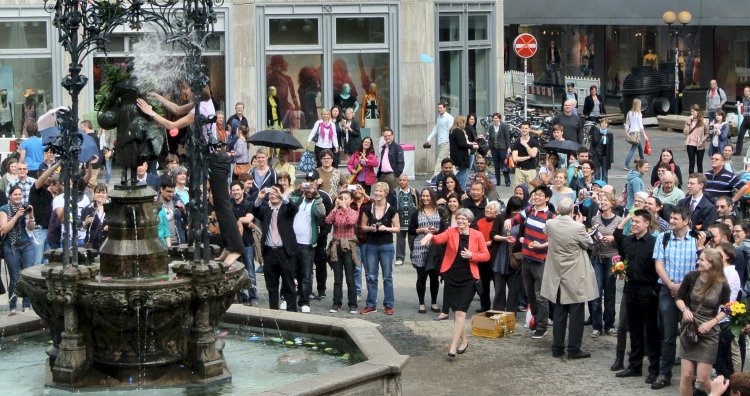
x: 697, y: 67
x: 372, y: 112
x: 29, y: 109
x: 345, y: 100
x: 6, y: 114
x: 272, y: 110
x: 651, y: 59
x: 553, y: 63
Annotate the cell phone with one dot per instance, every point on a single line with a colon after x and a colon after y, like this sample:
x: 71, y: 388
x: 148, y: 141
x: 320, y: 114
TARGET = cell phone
x: 305, y: 185
x: 268, y: 190
x: 576, y: 210
x: 351, y: 187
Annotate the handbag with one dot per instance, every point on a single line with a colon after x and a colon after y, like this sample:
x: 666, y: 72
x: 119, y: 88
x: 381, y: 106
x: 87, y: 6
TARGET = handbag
x: 633, y: 137
x: 511, y: 163
x: 647, y: 147
x: 689, y: 331
x: 307, y: 162
x: 516, y: 258
x: 240, y: 169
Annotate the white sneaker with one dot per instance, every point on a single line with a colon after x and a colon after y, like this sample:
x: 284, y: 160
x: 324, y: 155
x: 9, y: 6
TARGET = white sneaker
x: 305, y: 309
x: 353, y: 312
x: 399, y: 262
x: 595, y: 334
x: 282, y: 306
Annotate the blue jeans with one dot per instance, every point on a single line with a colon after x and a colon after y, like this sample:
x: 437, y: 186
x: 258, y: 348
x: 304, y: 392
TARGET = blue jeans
x: 669, y: 318
x: 41, y: 238
x: 17, y: 258
x: 108, y: 170
x: 605, y: 283
x: 462, y: 176
x: 360, y: 251
x: 633, y: 148
x: 249, y: 260
x: 382, y: 255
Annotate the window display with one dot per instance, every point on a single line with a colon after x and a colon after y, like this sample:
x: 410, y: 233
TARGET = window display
x: 297, y: 79
x: 27, y: 87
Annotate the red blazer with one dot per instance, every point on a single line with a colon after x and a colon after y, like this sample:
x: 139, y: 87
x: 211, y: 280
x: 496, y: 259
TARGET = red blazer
x: 476, y: 246
x: 372, y: 162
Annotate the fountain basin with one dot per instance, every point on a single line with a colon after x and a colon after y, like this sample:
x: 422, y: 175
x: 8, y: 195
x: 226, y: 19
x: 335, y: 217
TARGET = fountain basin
x: 377, y: 370
x: 145, y: 328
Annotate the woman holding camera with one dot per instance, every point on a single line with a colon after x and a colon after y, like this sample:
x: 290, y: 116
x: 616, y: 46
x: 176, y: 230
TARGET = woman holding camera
x: 465, y: 248
x: 94, y: 226
x: 700, y: 297
x: 16, y: 222
x: 718, y: 131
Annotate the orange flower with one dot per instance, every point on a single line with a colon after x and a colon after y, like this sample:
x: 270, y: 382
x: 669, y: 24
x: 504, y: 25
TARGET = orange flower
x: 620, y: 266
x: 613, y: 270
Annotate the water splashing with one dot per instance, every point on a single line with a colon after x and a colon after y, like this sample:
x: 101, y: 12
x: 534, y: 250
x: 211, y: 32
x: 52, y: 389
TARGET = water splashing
x: 135, y: 229
x: 157, y: 66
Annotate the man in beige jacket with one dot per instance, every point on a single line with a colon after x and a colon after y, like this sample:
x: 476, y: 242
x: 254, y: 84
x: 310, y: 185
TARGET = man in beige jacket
x: 568, y: 279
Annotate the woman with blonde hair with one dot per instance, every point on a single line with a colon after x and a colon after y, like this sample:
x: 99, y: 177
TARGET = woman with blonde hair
x: 459, y: 149
x: 324, y: 134
x: 700, y: 297
x: 634, y: 125
x: 240, y: 152
x: 560, y: 187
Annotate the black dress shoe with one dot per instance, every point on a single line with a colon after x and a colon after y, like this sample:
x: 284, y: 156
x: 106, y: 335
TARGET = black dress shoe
x: 435, y: 309
x: 578, y: 355
x: 628, y: 372
x: 451, y: 356
x: 557, y: 354
x: 617, y: 365
x: 422, y: 310
x: 588, y: 322
x: 651, y: 378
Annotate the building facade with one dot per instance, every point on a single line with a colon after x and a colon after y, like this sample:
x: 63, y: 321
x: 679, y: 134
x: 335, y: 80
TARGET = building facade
x: 607, y: 42
x: 406, y: 55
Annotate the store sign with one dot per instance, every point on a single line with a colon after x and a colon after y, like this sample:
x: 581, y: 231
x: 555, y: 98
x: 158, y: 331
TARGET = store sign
x: 525, y: 45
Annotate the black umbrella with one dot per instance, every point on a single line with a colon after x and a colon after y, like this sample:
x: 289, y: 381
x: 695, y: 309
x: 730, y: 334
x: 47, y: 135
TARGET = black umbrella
x: 562, y: 146
x: 275, y: 139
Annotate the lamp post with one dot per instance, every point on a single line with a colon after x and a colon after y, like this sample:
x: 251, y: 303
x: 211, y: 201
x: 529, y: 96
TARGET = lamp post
x: 670, y: 17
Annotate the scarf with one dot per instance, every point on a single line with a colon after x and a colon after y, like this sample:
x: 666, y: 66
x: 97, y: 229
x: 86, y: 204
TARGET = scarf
x: 327, y: 128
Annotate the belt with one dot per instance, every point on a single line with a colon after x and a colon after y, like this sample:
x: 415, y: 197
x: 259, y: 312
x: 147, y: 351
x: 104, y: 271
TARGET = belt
x: 274, y: 248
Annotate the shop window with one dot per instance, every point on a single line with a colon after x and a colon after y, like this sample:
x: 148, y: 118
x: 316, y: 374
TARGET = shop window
x: 478, y: 28
x: 359, y: 71
x: 449, y: 28
x: 731, y: 60
x: 23, y: 35
x: 297, y: 80
x: 293, y: 31
x: 450, y: 80
x: 360, y: 30
x: 479, y: 81
x: 25, y: 92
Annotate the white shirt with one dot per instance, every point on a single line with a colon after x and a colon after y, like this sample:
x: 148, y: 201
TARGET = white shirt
x: 733, y: 280
x: 442, y: 128
x: 302, y: 223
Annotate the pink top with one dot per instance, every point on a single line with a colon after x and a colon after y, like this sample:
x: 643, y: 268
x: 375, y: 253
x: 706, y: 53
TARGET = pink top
x: 385, y: 164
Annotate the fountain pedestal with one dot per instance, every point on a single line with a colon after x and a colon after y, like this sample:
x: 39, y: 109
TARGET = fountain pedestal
x: 135, y: 324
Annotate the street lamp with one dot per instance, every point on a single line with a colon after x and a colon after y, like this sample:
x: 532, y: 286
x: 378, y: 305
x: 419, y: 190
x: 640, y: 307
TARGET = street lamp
x: 670, y: 17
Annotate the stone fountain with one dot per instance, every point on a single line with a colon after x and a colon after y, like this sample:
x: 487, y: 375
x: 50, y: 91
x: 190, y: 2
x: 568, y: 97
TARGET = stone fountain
x: 130, y: 320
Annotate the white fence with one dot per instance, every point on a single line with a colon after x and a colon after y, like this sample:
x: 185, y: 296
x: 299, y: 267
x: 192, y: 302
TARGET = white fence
x: 514, y: 83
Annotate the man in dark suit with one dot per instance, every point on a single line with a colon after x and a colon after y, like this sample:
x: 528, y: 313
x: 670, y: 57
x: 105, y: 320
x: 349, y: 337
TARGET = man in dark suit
x: 500, y: 146
x: 391, y: 160
x: 279, y: 244
x: 702, y: 210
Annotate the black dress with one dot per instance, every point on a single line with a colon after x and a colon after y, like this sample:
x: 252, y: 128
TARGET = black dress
x: 459, y: 282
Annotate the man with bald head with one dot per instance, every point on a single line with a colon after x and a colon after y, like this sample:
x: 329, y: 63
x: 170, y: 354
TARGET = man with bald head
x: 571, y: 123
x: 667, y: 190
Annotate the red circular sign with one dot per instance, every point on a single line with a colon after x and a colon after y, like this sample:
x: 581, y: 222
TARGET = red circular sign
x: 525, y: 45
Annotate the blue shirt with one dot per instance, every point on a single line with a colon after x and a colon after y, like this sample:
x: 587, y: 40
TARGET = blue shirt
x: 34, y: 152
x: 679, y: 257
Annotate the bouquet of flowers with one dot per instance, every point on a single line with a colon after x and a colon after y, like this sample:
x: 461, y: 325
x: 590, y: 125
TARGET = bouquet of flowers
x: 738, y: 315
x: 619, y: 268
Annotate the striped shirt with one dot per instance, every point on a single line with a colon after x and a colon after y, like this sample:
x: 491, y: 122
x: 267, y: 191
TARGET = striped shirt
x: 679, y: 257
x: 535, y: 221
x: 721, y: 184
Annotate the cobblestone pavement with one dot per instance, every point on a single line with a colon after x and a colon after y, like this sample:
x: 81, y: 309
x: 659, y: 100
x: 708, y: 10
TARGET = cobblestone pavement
x: 515, y: 365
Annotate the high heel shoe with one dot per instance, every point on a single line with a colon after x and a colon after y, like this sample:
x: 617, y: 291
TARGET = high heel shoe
x: 461, y: 351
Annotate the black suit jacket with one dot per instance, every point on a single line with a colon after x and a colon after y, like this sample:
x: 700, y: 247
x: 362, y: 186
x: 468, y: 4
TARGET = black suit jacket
x: 501, y: 138
x: 395, y: 157
x: 285, y: 222
x: 459, y: 148
x: 355, y: 138
x: 704, y: 213
x: 597, y: 151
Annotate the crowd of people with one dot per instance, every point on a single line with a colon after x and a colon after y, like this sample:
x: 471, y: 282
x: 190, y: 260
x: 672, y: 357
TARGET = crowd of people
x: 549, y: 249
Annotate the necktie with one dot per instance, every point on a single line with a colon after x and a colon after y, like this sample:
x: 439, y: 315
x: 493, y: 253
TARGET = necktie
x: 275, y: 237
x: 693, y: 204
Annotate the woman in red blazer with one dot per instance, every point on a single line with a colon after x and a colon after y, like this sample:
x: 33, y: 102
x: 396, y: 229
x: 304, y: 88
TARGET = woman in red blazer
x: 465, y: 248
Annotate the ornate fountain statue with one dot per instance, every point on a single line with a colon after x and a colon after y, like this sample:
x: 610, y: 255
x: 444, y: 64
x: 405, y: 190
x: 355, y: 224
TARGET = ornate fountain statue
x: 138, y: 317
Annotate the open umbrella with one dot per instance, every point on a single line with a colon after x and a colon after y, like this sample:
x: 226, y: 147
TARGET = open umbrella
x: 275, y: 139
x: 89, y: 148
x: 49, y: 119
x: 562, y: 146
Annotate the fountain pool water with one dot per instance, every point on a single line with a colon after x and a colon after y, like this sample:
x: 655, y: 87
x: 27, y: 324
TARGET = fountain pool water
x: 257, y: 364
